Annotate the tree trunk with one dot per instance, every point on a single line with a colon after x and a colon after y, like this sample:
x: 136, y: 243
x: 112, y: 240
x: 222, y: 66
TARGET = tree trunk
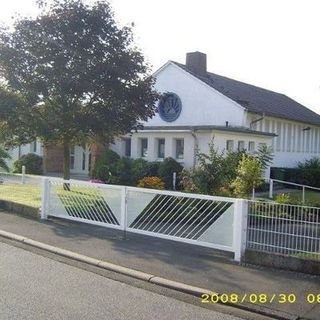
x: 66, y: 163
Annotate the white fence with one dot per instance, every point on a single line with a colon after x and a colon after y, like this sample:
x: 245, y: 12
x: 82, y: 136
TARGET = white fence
x: 300, y: 186
x: 214, y: 222
x: 284, y: 229
x: 19, y: 178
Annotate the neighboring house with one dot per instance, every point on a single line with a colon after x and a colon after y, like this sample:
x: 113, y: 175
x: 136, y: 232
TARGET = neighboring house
x: 198, y: 106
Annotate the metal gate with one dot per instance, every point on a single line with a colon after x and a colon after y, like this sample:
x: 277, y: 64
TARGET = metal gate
x: 209, y: 221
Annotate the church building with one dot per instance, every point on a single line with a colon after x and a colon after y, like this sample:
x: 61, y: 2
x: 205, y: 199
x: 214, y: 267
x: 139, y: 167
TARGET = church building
x: 198, y: 106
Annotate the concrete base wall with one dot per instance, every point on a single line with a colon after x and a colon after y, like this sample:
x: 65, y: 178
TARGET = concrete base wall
x: 282, y: 262
x: 20, y: 208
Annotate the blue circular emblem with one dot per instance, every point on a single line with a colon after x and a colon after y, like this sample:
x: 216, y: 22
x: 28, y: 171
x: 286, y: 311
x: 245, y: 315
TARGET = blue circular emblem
x: 169, y: 107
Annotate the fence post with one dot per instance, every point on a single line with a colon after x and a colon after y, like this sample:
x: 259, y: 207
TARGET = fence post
x: 303, y: 194
x: 240, y: 228
x: 174, y: 180
x: 45, y: 197
x: 271, y: 189
x: 124, y: 203
x: 23, y: 176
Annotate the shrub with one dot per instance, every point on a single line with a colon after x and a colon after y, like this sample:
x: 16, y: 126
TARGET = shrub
x: 313, y: 163
x: 152, y: 169
x: 282, y: 198
x: 249, y: 175
x: 138, y: 170
x: 105, y: 167
x: 151, y: 183
x: 310, y: 177
x: 3, y: 156
x: 31, y: 161
x: 166, y: 169
x: 123, y: 172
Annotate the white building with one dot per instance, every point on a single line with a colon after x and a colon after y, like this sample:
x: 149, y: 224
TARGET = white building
x: 198, y: 106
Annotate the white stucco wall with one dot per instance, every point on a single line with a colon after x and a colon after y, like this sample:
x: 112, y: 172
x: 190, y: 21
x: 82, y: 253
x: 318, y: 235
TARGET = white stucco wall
x: 192, y: 140
x: 293, y: 144
x: 201, y: 104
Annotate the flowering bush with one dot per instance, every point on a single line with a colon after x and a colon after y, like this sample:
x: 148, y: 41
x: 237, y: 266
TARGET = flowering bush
x: 97, y: 181
x: 151, y: 183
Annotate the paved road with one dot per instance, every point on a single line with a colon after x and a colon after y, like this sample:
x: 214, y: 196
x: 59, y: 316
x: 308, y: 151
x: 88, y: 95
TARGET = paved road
x: 35, y: 287
x: 198, y: 266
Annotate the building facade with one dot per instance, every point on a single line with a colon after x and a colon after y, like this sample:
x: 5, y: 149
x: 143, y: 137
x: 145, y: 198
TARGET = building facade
x: 198, y: 107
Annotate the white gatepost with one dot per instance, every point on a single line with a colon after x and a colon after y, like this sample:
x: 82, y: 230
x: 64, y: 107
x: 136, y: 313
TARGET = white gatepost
x: 124, y: 202
x: 45, y: 198
x: 23, y: 176
x: 240, y: 228
x: 271, y: 189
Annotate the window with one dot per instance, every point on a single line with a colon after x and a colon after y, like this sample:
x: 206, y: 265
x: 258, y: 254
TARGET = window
x: 252, y: 146
x: 179, y: 149
x: 34, y: 146
x: 72, y: 157
x: 241, y: 145
x: 161, y: 145
x: 229, y: 145
x: 127, y: 147
x: 144, y: 147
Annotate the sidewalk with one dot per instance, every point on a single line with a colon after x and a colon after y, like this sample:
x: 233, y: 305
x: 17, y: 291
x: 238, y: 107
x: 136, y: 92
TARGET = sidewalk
x: 191, y: 265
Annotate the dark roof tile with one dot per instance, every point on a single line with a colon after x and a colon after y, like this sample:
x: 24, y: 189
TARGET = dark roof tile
x: 258, y: 100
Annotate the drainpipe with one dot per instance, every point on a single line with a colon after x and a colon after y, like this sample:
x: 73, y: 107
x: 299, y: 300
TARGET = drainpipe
x: 257, y: 120
x: 195, y: 149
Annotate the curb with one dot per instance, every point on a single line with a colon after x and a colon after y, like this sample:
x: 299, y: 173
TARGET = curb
x: 178, y: 286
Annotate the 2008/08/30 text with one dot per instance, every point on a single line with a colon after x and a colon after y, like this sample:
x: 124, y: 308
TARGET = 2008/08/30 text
x: 261, y: 298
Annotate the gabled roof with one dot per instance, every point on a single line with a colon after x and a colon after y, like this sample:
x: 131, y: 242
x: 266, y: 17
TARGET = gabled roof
x: 258, y: 100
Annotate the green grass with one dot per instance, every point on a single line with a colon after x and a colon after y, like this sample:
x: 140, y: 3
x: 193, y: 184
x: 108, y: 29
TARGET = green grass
x: 311, y: 197
x: 307, y: 256
x: 23, y: 194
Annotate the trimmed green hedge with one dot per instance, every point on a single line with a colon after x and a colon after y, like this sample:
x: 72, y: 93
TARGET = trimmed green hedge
x: 310, y: 177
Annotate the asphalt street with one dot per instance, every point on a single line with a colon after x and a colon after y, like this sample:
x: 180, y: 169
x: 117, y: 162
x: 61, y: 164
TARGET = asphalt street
x: 35, y: 287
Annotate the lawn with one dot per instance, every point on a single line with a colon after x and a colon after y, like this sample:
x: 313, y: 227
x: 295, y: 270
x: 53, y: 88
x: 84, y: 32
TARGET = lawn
x: 24, y: 194
x: 312, y: 197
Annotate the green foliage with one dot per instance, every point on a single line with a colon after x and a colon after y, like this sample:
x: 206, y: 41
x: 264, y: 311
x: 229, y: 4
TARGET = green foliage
x: 112, y: 169
x: 166, y: 169
x: 313, y: 163
x: 214, y: 173
x: 105, y: 167
x: 265, y: 155
x: 31, y: 161
x: 4, y: 155
x: 76, y: 76
x: 283, y: 198
x: 249, y: 175
x: 151, y: 183
x: 138, y: 170
x: 307, y: 176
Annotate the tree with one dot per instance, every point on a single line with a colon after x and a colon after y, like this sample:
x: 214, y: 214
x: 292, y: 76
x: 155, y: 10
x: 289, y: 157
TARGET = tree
x: 265, y: 155
x: 3, y: 156
x: 78, y: 74
x: 249, y: 175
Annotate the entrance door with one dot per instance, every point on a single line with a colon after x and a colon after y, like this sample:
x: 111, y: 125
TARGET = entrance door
x: 80, y: 159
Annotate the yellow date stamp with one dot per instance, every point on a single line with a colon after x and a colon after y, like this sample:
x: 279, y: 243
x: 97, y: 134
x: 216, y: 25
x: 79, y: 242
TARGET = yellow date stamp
x: 255, y: 298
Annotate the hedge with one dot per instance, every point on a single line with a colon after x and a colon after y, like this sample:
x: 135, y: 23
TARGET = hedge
x: 310, y: 177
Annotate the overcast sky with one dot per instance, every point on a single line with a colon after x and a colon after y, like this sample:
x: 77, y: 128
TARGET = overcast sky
x: 269, y: 43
